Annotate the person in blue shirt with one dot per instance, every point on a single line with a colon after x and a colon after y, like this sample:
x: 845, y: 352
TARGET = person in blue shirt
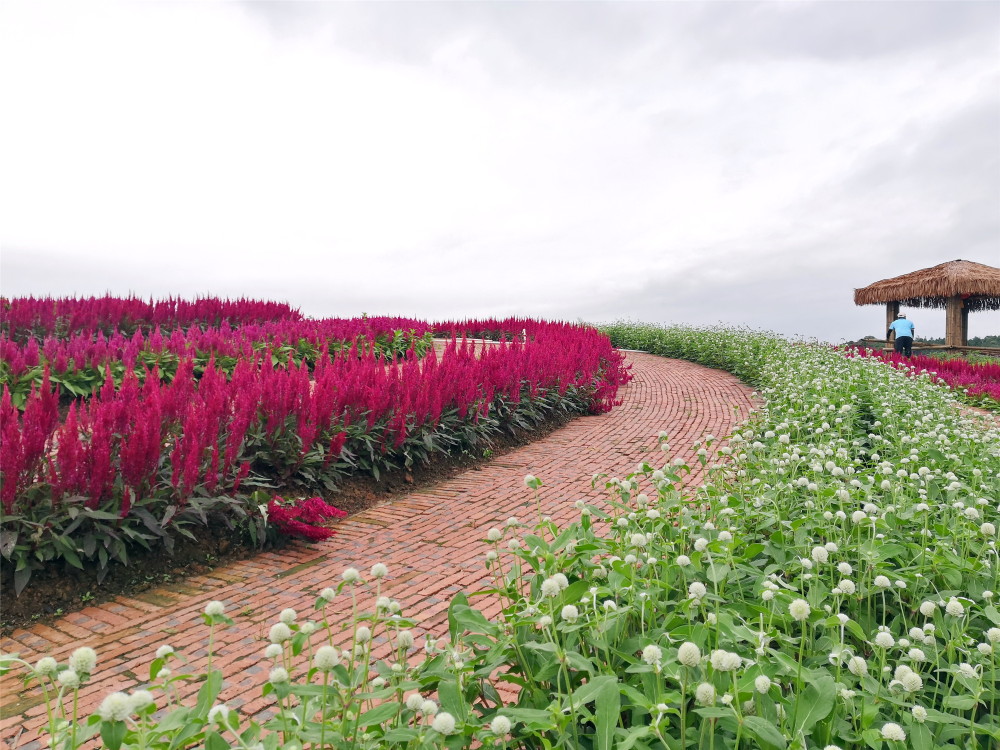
x: 904, y: 335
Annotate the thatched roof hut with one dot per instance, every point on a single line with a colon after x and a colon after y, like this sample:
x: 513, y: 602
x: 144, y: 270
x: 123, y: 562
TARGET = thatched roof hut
x: 958, y: 286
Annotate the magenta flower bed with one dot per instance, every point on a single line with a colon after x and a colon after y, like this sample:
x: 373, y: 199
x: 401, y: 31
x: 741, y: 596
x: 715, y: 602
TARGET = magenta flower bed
x: 141, y: 460
x: 980, y: 379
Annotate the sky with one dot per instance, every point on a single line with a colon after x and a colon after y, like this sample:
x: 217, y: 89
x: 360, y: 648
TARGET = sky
x: 670, y: 162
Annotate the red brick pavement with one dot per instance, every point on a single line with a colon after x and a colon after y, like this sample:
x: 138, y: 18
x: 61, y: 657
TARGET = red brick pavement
x: 431, y: 540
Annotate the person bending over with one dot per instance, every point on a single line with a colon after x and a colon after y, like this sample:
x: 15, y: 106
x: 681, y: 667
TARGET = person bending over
x: 904, y: 335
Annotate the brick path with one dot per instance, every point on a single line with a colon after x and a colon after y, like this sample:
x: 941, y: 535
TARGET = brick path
x: 431, y: 540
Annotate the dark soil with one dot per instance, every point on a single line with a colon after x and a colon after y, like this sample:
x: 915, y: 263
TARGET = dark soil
x: 56, y: 591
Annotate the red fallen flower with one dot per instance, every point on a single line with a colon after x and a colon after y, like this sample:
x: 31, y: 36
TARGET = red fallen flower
x: 299, y: 518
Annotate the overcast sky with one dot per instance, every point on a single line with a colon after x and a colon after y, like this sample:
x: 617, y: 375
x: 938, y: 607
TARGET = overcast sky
x: 750, y: 163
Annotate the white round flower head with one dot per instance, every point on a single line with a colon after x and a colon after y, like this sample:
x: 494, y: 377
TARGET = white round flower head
x: 280, y: 633
x: 414, y: 701
x: 911, y: 682
x: 405, y: 638
x: 725, y: 661
x: 215, y: 609
x: 652, y: 654
x: 165, y: 673
x: 954, y: 607
x: 689, y: 654
x: 363, y: 634
x: 705, y: 694
x: 444, y: 723
x: 326, y: 658
x: 494, y: 535
x: 351, y: 575
x: 287, y: 616
x: 919, y: 714
x: 857, y: 666
x: 988, y: 529
x: 308, y: 628
x: 428, y: 708
x: 993, y: 635
x: 328, y: 594
x: 916, y: 654
x: 273, y: 651
x: 544, y: 621
x: 379, y: 570
x: 928, y: 608
x: 683, y: 560
x: 884, y: 640
x: 882, y: 582
x: 893, y: 732
x: 725, y: 536
x: 83, y: 660
x: 799, y: 609
x: 762, y: 684
x: 700, y: 544
x: 847, y: 587
x: 968, y: 670
x: 140, y: 699
x: 697, y: 590
x: 491, y: 555
x: 500, y: 726
x: 529, y: 480
x: 609, y: 605
x: 820, y: 554
x: 550, y: 587
x: 46, y: 666
x: 115, y: 707
x: 164, y: 651
x: 278, y: 676
x: 832, y: 747
x: 845, y: 569
x: 218, y: 713
x: 562, y: 580
x: 806, y: 563
x: 570, y: 613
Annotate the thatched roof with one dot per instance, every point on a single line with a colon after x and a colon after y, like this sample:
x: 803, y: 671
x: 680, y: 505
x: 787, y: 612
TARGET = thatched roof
x: 978, y: 284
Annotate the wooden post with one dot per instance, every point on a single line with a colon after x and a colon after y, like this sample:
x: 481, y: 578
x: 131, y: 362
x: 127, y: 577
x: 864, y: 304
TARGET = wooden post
x: 891, y: 311
x: 953, y: 322
x: 965, y: 325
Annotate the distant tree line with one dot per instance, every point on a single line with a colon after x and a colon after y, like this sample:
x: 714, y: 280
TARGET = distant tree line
x: 975, y: 341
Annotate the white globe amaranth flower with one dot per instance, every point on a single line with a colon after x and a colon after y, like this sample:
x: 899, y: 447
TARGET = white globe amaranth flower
x: 273, y: 651
x: 725, y: 661
x: 141, y: 699
x: 494, y: 535
x: 705, y: 694
x: 379, y: 570
x: 919, y: 714
x: 954, y: 607
x: 652, y: 654
x: 350, y: 575
x: 328, y: 594
x: 428, y: 708
x: 218, y: 713
x: 550, y: 587
x: 279, y: 633
x: 570, y: 613
x: 799, y: 609
x: 988, y: 529
x: 697, y: 590
x: 762, y: 684
x: 215, y: 609
x: 884, y: 639
x: 882, y: 582
x: 820, y: 555
x: 46, y: 666
x: 916, y: 654
x: 993, y: 635
x: 689, y: 654
x: 857, y: 666
x: 363, y: 634
x: 405, y: 638
x: 847, y: 587
x: 845, y: 569
x: 530, y: 480
x: 83, y: 660
x: 326, y: 658
x: 278, y: 676
x: 967, y: 670
x: 308, y: 628
x: 164, y: 651
x: 444, y: 723
x: 500, y: 725
x: 288, y: 616
x: 893, y: 732
x: 683, y: 560
x: 544, y: 621
x: 700, y: 544
x: 414, y: 701
x: 928, y: 608
x: 115, y: 707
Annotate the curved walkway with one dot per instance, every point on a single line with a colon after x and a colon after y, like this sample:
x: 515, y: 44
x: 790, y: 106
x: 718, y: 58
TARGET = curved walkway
x: 431, y: 540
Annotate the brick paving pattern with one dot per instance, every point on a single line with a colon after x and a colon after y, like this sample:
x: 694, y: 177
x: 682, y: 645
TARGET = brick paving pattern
x: 431, y: 540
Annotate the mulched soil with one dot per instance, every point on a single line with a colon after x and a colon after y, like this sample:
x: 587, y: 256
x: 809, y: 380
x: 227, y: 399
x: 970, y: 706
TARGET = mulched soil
x: 59, y: 590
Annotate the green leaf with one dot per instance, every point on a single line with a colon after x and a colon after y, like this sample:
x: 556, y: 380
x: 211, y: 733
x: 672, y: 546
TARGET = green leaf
x: 378, y: 714
x: 815, y: 704
x: 608, y: 711
x: 113, y: 733
x: 209, y: 692
x: 765, y: 731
